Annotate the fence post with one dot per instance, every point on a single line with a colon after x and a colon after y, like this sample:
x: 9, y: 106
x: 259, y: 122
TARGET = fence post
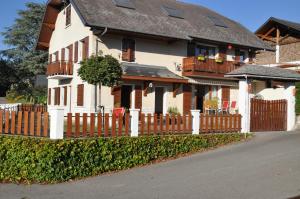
x: 56, y: 123
x: 290, y: 92
x: 196, y: 121
x: 134, y: 122
x: 244, y: 104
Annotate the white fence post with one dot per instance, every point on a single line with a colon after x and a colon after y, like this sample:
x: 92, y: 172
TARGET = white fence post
x: 56, y: 123
x: 196, y: 121
x: 134, y: 122
x: 291, y: 100
x: 244, y: 104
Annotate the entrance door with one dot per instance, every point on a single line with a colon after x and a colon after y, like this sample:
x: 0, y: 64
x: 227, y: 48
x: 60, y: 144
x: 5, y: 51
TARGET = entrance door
x: 159, y: 100
x: 126, y: 96
x: 200, y: 94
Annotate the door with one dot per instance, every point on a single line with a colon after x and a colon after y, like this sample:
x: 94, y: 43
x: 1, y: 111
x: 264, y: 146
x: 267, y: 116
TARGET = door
x: 126, y: 92
x: 200, y: 95
x: 159, y: 100
x: 225, y: 93
x: 266, y: 115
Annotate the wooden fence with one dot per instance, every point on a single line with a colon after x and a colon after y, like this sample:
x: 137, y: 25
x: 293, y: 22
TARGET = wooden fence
x: 95, y: 125
x: 24, y: 123
x: 168, y: 124
x: 220, y: 123
x: 268, y: 115
x: 32, y: 108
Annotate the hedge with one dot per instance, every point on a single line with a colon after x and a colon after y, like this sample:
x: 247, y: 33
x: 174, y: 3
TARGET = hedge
x: 45, y: 161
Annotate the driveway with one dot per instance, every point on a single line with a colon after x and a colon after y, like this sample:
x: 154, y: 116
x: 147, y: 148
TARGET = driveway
x: 266, y: 167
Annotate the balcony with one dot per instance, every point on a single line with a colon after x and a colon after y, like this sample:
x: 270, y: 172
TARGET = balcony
x: 209, y: 67
x: 60, y: 70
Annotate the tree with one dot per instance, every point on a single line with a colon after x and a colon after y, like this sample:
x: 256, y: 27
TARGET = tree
x: 25, y: 61
x: 7, y: 76
x: 103, y: 70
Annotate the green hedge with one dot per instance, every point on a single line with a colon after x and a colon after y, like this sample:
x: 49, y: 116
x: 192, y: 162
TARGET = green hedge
x: 42, y: 160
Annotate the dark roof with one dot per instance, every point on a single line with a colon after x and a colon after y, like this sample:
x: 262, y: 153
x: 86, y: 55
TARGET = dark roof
x: 264, y: 72
x: 138, y: 70
x: 288, y: 24
x: 149, y: 17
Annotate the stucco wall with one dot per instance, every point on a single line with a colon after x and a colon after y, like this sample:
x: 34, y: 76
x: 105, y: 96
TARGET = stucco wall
x: 259, y: 88
x: 61, y: 38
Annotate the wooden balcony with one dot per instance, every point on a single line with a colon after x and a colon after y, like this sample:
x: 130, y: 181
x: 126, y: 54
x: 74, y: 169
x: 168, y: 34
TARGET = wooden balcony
x: 60, y: 70
x: 209, y: 67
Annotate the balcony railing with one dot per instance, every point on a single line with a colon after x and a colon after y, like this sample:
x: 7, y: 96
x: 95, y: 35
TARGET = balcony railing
x: 208, y: 67
x: 60, y: 68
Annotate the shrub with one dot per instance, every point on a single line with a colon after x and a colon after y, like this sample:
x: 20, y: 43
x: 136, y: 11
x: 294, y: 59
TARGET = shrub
x: 43, y: 160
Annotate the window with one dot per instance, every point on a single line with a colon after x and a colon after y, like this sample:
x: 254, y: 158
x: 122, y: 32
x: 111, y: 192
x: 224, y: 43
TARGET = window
x: 124, y: 4
x: 57, y: 96
x: 242, y: 56
x: 76, y: 52
x: 80, y: 95
x: 128, y: 50
x: 49, y: 96
x: 85, y: 48
x: 217, y: 21
x: 68, y: 15
x: 65, y: 96
x: 206, y: 51
x: 172, y: 12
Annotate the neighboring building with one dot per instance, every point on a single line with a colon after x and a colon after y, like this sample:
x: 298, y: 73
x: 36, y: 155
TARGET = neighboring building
x: 284, y: 36
x: 160, y: 44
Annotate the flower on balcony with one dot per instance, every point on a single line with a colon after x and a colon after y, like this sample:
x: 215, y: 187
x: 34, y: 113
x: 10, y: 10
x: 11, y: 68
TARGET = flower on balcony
x: 201, y: 58
x: 219, y: 60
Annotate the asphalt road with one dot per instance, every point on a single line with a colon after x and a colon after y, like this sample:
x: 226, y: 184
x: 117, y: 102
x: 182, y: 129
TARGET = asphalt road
x: 268, y: 166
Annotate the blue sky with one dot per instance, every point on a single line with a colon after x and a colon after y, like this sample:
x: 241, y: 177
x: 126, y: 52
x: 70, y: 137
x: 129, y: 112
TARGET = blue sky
x: 250, y: 13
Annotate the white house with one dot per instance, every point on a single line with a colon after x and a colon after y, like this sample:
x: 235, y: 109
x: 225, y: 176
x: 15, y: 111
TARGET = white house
x: 173, y: 54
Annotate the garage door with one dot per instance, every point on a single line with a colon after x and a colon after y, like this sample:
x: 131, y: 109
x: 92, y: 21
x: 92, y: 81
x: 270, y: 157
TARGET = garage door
x: 268, y: 115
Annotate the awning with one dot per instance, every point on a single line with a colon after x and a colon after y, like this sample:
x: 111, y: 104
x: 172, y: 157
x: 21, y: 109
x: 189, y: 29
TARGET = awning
x: 264, y: 72
x: 213, y: 82
x: 132, y: 71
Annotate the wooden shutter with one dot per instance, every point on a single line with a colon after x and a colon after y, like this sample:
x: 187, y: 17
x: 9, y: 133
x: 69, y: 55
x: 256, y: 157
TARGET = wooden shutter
x: 49, y: 96
x: 128, y: 50
x: 57, y: 96
x: 80, y: 95
x: 85, y: 48
x: 237, y: 55
x: 225, y: 93
x: 116, y: 91
x: 251, y: 56
x: 70, y: 52
x: 191, y: 49
x: 76, y: 52
x: 138, y: 97
x: 65, y: 96
x: 56, y: 56
x: 63, y: 53
x: 187, y: 98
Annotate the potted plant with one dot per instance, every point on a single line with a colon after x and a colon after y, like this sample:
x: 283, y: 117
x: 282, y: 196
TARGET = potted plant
x: 201, y: 58
x: 173, y: 111
x: 219, y: 60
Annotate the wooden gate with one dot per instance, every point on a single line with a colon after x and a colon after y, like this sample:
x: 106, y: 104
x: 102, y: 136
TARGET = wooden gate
x: 268, y: 115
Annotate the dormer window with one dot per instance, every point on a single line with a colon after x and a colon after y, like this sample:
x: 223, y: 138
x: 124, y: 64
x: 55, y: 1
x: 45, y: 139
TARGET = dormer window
x: 68, y: 15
